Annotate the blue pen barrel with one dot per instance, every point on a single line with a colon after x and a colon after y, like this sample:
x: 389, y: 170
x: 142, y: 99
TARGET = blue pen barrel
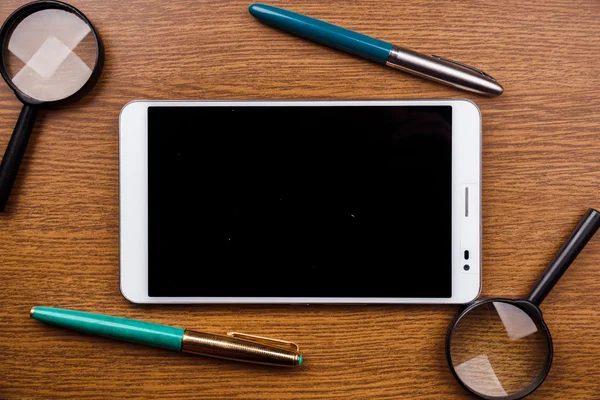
x: 323, y: 32
x: 129, y: 330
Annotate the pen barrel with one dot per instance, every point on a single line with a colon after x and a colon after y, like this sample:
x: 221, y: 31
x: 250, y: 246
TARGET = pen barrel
x: 141, y: 332
x: 237, y: 349
x: 443, y: 71
x: 323, y: 32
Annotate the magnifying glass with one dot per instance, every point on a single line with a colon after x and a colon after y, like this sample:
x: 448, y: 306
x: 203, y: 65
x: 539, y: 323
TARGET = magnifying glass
x: 50, y: 54
x: 501, y: 348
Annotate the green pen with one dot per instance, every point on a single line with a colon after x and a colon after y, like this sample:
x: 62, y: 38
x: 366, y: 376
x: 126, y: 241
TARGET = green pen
x: 432, y: 67
x: 235, y: 346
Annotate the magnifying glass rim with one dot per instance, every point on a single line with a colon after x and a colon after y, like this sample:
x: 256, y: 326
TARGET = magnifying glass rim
x: 533, y: 312
x: 29, y: 9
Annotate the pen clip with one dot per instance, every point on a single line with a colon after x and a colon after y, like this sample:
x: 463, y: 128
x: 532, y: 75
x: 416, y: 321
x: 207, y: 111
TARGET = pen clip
x: 464, y: 66
x: 280, y: 344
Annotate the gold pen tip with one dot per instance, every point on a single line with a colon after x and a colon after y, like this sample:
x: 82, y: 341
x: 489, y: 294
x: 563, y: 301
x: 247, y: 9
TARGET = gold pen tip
x: 31, y: 311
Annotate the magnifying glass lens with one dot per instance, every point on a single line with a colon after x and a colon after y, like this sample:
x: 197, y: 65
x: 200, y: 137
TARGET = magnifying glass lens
x: 50, y: 54
x: 498, y: 350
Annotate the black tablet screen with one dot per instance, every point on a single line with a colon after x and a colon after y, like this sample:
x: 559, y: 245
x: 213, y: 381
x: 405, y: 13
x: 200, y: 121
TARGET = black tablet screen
x: 291, y: 201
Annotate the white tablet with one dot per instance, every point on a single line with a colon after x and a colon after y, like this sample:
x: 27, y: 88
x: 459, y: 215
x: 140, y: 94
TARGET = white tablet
x: 300, y: 201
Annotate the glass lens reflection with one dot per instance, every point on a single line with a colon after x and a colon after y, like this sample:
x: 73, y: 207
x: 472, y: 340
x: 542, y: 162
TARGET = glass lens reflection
x: 497, y: 349
x: 50, y: 54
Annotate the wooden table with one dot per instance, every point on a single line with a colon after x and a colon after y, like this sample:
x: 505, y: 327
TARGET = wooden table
x: 541, y: 171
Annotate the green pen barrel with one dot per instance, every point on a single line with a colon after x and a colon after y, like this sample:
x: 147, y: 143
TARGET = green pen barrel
x: 147, y: 333
x: 323, y: 32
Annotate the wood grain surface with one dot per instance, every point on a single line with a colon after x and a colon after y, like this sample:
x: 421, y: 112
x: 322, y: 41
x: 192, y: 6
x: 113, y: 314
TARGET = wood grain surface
x: 541, y: 171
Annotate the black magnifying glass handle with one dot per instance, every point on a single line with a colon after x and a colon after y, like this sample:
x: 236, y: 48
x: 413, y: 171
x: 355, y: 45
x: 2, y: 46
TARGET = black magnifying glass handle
x: 583, y: 232
x: 15, y: 151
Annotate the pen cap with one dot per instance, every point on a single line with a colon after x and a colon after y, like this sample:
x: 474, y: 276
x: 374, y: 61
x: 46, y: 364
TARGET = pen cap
x: 250, y: 349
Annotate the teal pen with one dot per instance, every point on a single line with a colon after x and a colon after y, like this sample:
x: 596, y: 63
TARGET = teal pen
x: 433, y: 67
x: 234, y: 346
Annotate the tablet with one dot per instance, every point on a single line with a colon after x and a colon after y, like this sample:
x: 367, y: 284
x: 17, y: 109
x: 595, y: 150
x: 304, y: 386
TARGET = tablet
x: 300, y: 201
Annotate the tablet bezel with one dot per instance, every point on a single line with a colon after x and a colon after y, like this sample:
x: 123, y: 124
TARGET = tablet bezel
x: 466, y: 202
